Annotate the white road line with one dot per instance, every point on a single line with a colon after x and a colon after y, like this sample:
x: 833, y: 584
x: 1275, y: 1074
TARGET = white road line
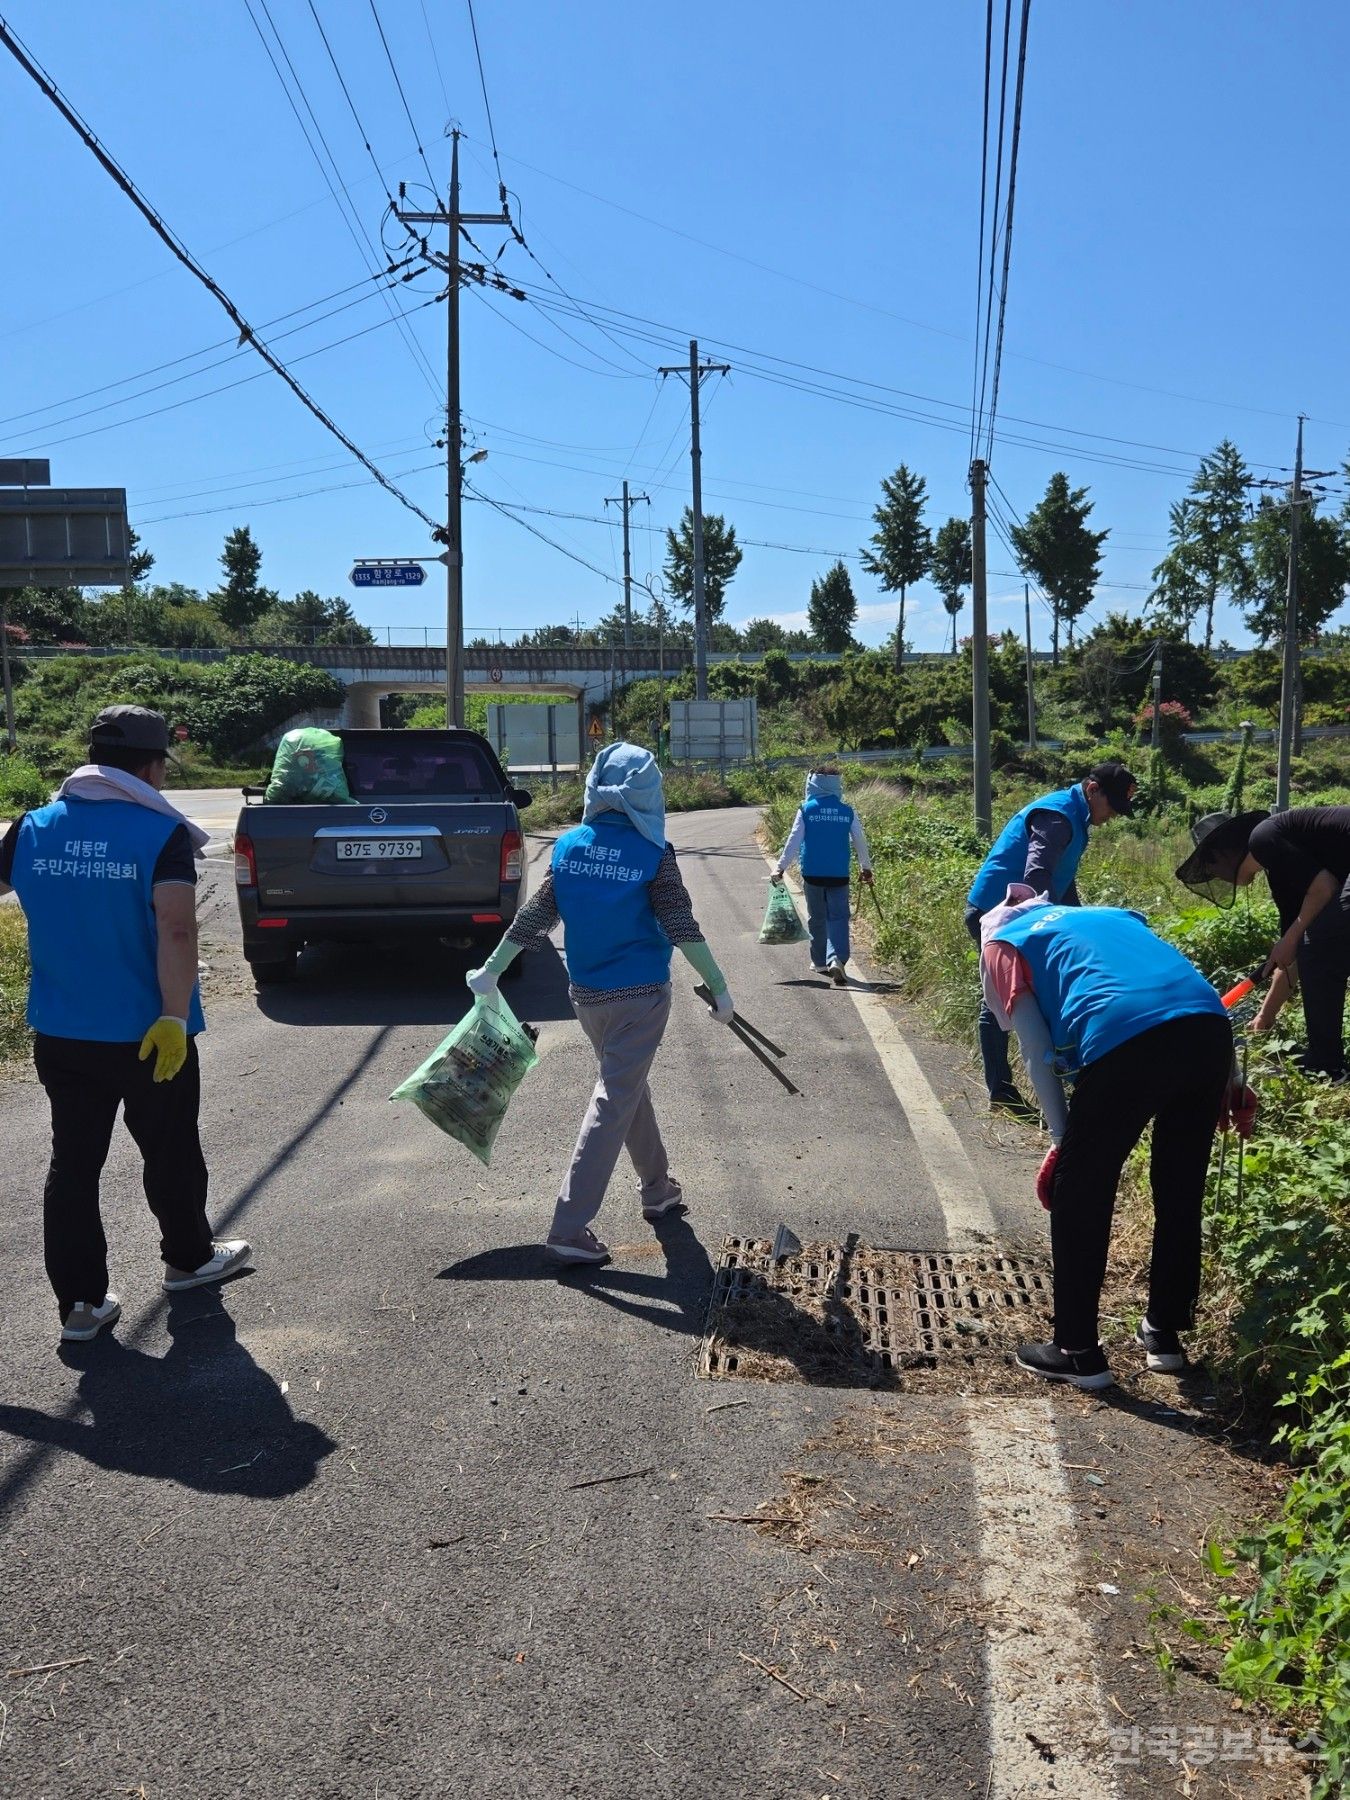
x: 1047, y: 1713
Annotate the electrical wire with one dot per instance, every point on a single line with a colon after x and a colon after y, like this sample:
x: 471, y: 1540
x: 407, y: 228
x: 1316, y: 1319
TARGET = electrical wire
x: 487, y: 105
x: 172, y: 242
x: 587, y: 369
x: 398, y: 83
x: 1008, y: 219
x: 347, y: 210
x: 436, y: 58
x: 510, y: 512
x: 237, y: 506
x: 984, y: 190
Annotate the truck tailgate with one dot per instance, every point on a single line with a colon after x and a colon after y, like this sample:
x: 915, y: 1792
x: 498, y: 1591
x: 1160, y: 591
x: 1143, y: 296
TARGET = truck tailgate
x: 432, y: 853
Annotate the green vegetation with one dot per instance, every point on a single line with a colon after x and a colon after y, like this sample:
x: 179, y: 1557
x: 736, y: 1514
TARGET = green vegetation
x: 226, y: 707
x: 1275, y: 1306
x: 13, y: 984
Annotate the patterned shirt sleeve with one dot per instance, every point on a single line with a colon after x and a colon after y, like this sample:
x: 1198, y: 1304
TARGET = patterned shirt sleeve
x: 671, y: 903
x: 537, y: 917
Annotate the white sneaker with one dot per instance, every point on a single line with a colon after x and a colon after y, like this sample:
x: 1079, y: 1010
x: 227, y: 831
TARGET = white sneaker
x: 85, y: 1320
x: 816, y: 969
x: 225, y: 1259
x: 836, y: 973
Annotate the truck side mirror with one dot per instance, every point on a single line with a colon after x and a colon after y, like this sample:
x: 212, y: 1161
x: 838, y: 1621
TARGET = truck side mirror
x: 522, y: 797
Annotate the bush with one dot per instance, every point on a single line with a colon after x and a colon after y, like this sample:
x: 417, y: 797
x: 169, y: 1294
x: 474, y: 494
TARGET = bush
x: 22, y: 786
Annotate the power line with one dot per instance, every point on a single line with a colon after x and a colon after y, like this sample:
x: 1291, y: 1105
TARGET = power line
x: 606, y: 374
x: 393, y: 70
x: 436, y: 58
x: 179, y: 249
x: 238, y: 506
x: 487, y: 107
x: 349, y: 214
x: 1008, y: 219
x: 510, y: 512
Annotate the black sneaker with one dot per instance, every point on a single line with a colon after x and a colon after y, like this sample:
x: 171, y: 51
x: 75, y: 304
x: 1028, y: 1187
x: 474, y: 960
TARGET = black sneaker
x: 1080, y: 1368
x: 1163, y: 1349
x: 1008, y: 1100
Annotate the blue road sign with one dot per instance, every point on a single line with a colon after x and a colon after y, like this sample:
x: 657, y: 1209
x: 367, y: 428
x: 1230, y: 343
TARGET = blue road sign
x: 390, y: 574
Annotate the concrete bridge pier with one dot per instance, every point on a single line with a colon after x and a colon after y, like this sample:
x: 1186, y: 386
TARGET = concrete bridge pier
x: 361, y: 705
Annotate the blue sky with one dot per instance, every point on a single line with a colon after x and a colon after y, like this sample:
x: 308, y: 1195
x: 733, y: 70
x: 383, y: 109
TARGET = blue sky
x: 735, y: 172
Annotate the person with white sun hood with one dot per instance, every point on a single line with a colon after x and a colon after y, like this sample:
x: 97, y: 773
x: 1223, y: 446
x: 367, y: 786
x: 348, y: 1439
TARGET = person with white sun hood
x: 614, y: 883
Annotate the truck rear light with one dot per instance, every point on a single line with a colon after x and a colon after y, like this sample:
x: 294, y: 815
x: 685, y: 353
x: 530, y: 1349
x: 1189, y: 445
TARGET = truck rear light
x: 513, y: 856
x: 274, y: 924
x: 487, y: 918
x: 245, y: 862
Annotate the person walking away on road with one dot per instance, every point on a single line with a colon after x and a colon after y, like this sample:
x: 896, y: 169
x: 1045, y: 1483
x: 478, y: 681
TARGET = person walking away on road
x: 615, y: 884
x: 825, y: 832
x: 1042, y: 845
x: 1306, y: 857
x: 106, y: 878
x: 1097, y: 999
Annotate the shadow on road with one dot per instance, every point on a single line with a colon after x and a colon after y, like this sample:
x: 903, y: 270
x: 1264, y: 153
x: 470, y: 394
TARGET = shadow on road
x: 204, y: 1415
x: 421, y: 984
x: 676, y: 1301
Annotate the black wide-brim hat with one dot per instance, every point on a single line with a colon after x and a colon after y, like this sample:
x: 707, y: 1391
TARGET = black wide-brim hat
x: 1221, y: 845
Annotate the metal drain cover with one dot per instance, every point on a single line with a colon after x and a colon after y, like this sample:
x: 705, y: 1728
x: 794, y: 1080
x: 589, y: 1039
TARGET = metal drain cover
x: 857, y: 1317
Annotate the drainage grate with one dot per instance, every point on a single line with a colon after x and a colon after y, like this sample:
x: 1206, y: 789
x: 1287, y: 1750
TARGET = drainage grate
x: 858, y: 1317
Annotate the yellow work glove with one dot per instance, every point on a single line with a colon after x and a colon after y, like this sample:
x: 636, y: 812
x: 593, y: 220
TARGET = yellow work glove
x: 167, y: 1042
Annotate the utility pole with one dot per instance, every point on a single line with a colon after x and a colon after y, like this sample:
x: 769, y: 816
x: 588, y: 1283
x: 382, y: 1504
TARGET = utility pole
x: 627, y: 502
x: 1156, y: 740
x: 979, y: 654
x: 452, y: 217
x: 1289, y: 680
x: 1031, y: 691
x: 695, y: 374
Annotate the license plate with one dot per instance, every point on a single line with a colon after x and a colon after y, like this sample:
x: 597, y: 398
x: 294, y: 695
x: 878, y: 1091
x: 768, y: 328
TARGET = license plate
x: 384, y: 849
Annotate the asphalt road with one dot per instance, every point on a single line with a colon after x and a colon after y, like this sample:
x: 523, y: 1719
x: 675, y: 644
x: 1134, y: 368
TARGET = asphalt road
x: 327, y: 1532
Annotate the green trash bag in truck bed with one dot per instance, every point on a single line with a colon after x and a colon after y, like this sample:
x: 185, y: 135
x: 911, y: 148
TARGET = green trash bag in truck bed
x: 465, y: 1086
x: 307, y: 771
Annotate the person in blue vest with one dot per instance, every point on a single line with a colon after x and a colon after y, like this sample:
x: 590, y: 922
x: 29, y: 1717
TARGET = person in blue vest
x: 616, y: 886
x: 1098, y: 1000
x: 106, y: 877
x: 1042, y: 845
x: 826, y: 831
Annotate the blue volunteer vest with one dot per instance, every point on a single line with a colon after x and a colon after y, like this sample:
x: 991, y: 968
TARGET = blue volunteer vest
x: 1007, y: 860
x: 826, y: 845
x: 83, y: 872
x: 611, y: 936
x: 1101, y: 977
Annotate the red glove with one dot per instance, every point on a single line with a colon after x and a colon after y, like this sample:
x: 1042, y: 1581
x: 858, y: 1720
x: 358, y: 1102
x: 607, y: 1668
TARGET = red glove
x: 1239, y: 1110
x: 1045, y: 1176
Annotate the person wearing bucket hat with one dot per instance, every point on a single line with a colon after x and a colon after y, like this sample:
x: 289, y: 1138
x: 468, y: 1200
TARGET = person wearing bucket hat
x: 826, y: 833
x: 1305, y: 855
x: 1099, y: 1001
x: 106, y: 875
x: 1042, y: 845
x: 614, y: 883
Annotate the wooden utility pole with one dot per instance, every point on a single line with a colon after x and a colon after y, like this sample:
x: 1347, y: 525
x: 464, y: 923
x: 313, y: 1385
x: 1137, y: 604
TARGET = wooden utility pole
x: 695, y: 373
x: 451, y: 217
x: 979, y: 654
x: 627, y: 501
x: 1031, y: 691
x: 1289, y: 679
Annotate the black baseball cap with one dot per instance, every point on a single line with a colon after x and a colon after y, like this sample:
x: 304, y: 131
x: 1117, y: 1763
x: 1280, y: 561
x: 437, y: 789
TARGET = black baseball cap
x: 130, y: 728
x: 1117, y: 783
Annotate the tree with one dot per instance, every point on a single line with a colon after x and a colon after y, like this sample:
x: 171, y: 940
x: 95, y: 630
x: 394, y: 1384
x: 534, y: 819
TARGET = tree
x: 1179, y: 590
x: 1323, y: 570
x: 950, y: 567
x: 240, y: 600
x: 1219, y: 534
x: 832, y: 610
x: 900, y: 545
x: 721, y: 559
x: 763, y: 634
x: 1056, y: 549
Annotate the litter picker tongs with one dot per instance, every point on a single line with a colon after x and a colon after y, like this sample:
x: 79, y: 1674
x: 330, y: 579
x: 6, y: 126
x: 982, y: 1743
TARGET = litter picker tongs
x: 755, y: 1041
x: 1241, y: 1004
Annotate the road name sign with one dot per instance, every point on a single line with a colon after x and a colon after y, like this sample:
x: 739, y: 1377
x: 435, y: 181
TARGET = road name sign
x: 388, y: 574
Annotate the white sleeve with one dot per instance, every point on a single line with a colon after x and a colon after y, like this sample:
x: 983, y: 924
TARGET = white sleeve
x: 1033, y: 1035
x: 859, y: 837
x: 788, y: 854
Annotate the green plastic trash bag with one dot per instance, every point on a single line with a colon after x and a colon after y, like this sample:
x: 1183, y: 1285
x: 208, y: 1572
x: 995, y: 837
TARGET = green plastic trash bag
x: 307, y: 771
x: 466, y: 1085
x: 781, y: 924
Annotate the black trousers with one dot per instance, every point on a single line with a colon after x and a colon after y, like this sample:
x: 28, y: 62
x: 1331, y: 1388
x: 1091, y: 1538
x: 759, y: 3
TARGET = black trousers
x: 86, y: 1083
x: 1174, y: 1075
x: 1323, y: 972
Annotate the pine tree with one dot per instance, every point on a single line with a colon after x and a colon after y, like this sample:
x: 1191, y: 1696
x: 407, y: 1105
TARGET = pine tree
x: 900, y: 546
x: 1059, y: 553
x: 721, y: 559
x: 1219, y: 528
x: 1323, y: 570
x: 240, y: 600
x: 832, y: 610
x: 950, y: 567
